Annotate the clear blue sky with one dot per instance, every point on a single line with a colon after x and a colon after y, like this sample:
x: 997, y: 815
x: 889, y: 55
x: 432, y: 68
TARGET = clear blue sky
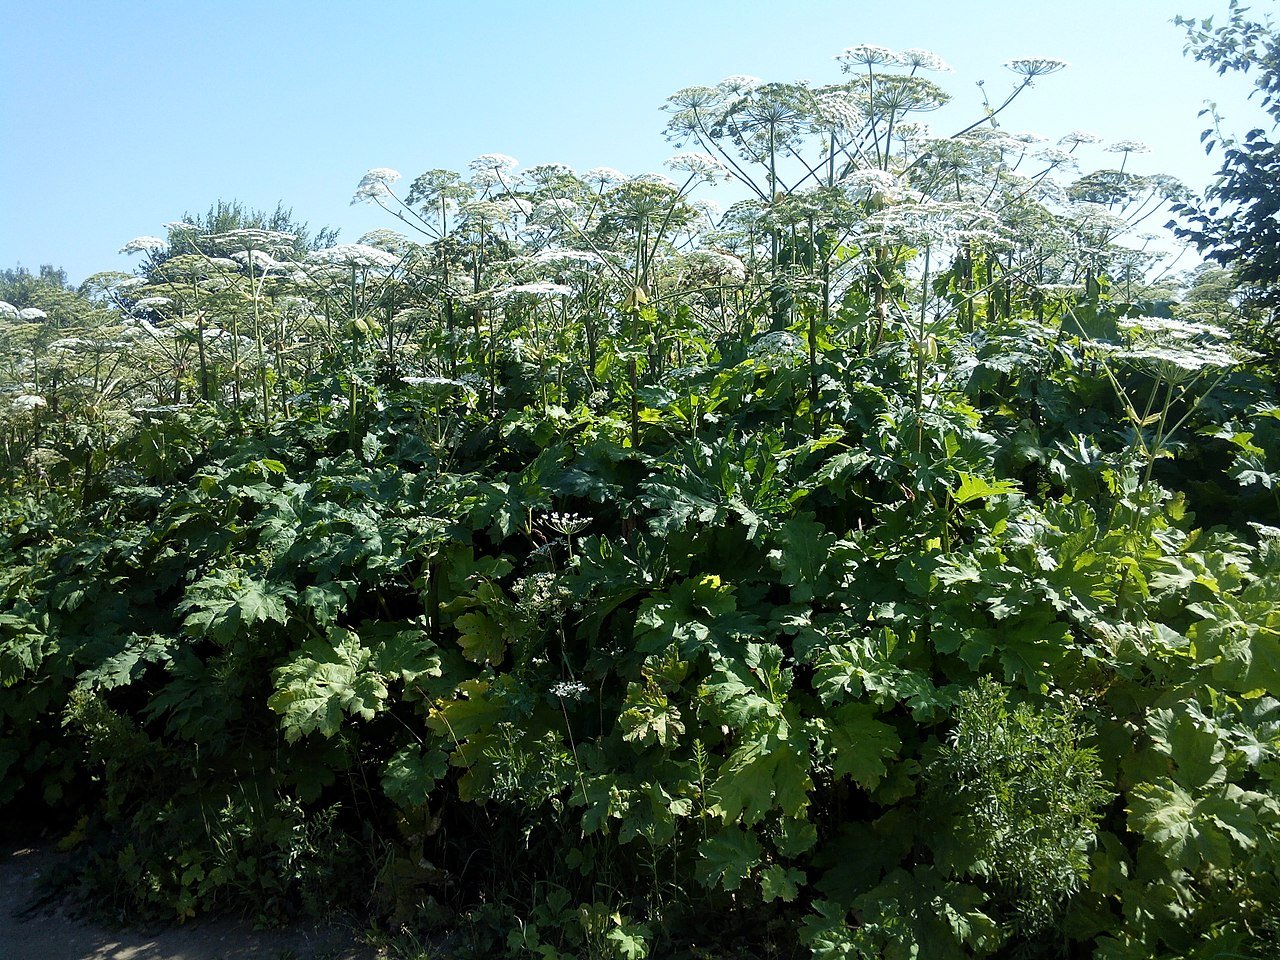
x: 118, y: 115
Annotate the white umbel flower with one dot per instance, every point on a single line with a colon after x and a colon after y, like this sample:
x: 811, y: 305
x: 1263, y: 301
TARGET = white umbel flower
x: 375, y: 183
x: 143, y: 245
x: 354, y: 255
x: 541, y: 289
x: 493, y: 163
x: 1032, y: 67
x: 867, y: 55
x: 1128, y: 146
x: 1077, y: 137
x: 569, y: 690
x: 29, y: 402
x: 918, y: 59
x: 697, y: 165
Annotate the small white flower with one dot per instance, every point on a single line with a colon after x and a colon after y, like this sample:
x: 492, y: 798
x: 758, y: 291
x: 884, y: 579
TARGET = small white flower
x: 69, y: 343
x: 567, y: 524
x: 778, y: 343
x: 1055, y: 156
x: 561, y: 257
x: 1077, y: 137
x: 493, y: 163
x: 655, y: 178
x: 385, y: 239
x: 544, y: 174
x: 262, y: 262
x: 708, y: 208
x: 1178, y: 329
x: 1031, y: 67
x: 1128, y: 146
x: 556, y: 209
x: 569, y: 690
x: 431, y: 382
x: 7, y: 309
x: 32, y: 313
x: 375, y: 183
x: 161, y: 410
x: 253, y: 238
x: 919, y: 59
x: 1175, y: 360
x: 867, y: 55
x: 718, y: 264
x: 698, y: 165
x: 540, y: 288
x: 839, y: 110
x: 152, y: 303
x: 28, y: 402
x: 143, y: 245
x: 179, y: 225
x: 380, y: 175
x: 877, y: 181
x: 354, y: 255
x: 603, y: 176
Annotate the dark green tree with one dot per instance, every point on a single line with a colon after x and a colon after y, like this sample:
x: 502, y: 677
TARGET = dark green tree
x: 227, y: 215
x: 1237, y: 223
x: 47, y: 290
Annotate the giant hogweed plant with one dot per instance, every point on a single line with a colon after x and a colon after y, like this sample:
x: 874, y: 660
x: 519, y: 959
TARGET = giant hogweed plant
x: 853, y: 575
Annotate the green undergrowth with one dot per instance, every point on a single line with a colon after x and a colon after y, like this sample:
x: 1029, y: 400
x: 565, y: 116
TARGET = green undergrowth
x: 943, y: 681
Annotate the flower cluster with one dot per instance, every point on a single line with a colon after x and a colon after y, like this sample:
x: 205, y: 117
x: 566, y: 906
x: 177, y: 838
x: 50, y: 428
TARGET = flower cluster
x: 1128, y: 146
x: 375, y: 183
x: 1032, y: 67
x: 702, y: 165
x: 354, y: 255
x: 567, y: 524
x: 144, y: 245
x: 569, y: 690
x: 29, y: 402
x: 542, y: 289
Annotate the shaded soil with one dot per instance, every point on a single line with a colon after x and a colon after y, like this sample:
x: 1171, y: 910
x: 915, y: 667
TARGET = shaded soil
x: 32, y: 930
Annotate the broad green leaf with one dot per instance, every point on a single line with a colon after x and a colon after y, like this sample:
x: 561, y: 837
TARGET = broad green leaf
x: 412, y: 773
x: 1193, y: 743
x: 752, y: 688
x: 726, y: 858
x: 1189, y: 829
x: 779, y: 883
x: 649, y: 718
x: 480, y: 637
x: 977, y: 488
x: 805, y: 546
x: 23, y: 647
x: 328, y: 679
x: 861, y: 744
x: 769, y: 771
x: 459, y: 719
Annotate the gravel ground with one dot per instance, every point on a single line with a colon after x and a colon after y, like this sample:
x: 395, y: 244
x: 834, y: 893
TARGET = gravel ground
x: 52, y: 933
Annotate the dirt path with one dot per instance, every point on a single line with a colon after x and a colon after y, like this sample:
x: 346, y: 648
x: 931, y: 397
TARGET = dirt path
x: 52, y: 934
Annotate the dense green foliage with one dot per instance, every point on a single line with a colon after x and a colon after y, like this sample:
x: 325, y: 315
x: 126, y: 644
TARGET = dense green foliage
x: 1236, y: 224
x: 857, y: 574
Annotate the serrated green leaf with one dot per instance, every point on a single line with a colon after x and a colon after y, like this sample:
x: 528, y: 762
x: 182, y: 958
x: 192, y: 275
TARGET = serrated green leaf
x: 779, y: 883
x: 325, y: 681
x: 861, y: 744
x: 412, y: 773
x: 728, y: 857
x: 480, y: 637
x: 972, y: 487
